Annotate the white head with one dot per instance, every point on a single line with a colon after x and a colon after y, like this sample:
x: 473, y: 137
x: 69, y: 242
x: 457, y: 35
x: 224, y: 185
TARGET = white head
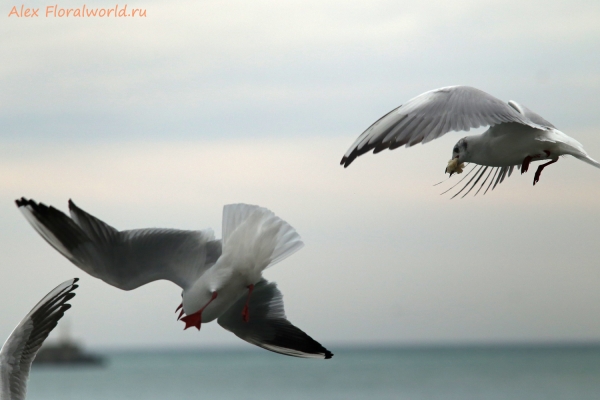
x: 460, y: 150
x: 197, y: 296
x: 219, y: 286
x: 459, y: 154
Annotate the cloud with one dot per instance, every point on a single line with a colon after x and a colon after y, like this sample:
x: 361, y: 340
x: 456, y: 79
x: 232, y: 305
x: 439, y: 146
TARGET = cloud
x: 266, y: 68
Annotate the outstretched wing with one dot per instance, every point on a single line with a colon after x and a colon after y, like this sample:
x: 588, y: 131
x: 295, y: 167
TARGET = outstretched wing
x: 498, y: 174
x: 530, y: 115
x: 431, y: 115
x: 22, y: 345
x: 268, y: 326
x: 126, y: 259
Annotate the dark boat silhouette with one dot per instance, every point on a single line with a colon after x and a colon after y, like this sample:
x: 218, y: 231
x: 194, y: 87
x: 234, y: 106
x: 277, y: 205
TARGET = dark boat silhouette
x: 66, y: 352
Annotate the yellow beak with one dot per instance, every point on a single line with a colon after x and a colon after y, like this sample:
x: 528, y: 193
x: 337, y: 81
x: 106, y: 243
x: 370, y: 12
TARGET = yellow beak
x: 454, y: 167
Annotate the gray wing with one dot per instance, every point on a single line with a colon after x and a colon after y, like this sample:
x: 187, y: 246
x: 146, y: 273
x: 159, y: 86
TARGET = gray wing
x: 498, y: 174
x: 268, y: 326
x: 124, y: 259
x: 431, y: 115
x: 22, y: 345
x: 530, y: 115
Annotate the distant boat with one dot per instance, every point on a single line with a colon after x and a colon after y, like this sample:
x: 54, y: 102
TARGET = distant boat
x: 66, y: 352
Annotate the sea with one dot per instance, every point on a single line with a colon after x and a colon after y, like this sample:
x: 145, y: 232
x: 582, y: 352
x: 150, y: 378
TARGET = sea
x: 421, y: 373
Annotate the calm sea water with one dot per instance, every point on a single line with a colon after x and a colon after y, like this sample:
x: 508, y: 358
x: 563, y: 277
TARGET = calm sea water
x: 385, y: 373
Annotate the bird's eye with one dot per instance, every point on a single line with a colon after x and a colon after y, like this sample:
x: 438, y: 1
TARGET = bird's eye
x: 455, y: 149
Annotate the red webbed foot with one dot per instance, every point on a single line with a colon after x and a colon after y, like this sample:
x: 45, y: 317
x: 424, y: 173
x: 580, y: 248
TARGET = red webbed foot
x: 195, y: 319
x: 245, y: 312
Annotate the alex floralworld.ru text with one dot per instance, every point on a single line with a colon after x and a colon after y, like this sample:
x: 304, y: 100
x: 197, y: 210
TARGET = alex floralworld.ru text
x: 84, y: 11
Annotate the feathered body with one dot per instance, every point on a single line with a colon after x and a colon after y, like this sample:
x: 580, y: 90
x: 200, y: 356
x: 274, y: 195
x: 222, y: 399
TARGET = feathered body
x: 255, y: 238
x: 221, y: 279
x: 516, y: 137
x: 508, y: 144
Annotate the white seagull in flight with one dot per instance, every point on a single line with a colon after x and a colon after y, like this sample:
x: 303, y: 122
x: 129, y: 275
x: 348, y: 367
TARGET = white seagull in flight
x: 516, y: 137
x: 22, y: 345
x: 221, y: 279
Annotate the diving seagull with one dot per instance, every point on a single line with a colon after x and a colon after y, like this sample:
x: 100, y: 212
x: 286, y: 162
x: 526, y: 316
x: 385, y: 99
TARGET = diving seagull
x: 516, y: 135
x: 221, y: 279
x: 22, y: 345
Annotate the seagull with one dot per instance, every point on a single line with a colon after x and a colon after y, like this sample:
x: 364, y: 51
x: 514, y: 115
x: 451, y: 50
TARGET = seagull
x: 221, y: 279
x: 516, y: 136
x: 22, y: 345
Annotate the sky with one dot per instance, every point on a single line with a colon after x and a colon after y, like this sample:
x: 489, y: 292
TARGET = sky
x: 160, y: 121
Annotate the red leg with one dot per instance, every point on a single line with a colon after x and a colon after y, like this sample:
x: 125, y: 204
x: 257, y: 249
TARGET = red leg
x: 245, y: 312
x: 536, y: 178
x: 525, y: 165
x: 195, y: 319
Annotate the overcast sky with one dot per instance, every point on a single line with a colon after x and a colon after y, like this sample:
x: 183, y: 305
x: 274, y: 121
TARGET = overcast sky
x: 160, y: 121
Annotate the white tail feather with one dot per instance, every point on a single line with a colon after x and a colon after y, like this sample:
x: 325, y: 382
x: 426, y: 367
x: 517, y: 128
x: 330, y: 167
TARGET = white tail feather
x: 588, y: 159
x: 568, y: 145
x: 233, y: 216
x: 255, y: 233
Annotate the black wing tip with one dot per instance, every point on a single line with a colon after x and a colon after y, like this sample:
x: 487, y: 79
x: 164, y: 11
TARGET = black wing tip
x: 25, y: 202
x: 22, y: 202
x: 302, y: 345
x: 66, y: 296
x: 376, y: 148
x: 51, y: 309
x: 69, y: 295
x: 72, y: 288
x: 322, y: 350
x: 346, y: 161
